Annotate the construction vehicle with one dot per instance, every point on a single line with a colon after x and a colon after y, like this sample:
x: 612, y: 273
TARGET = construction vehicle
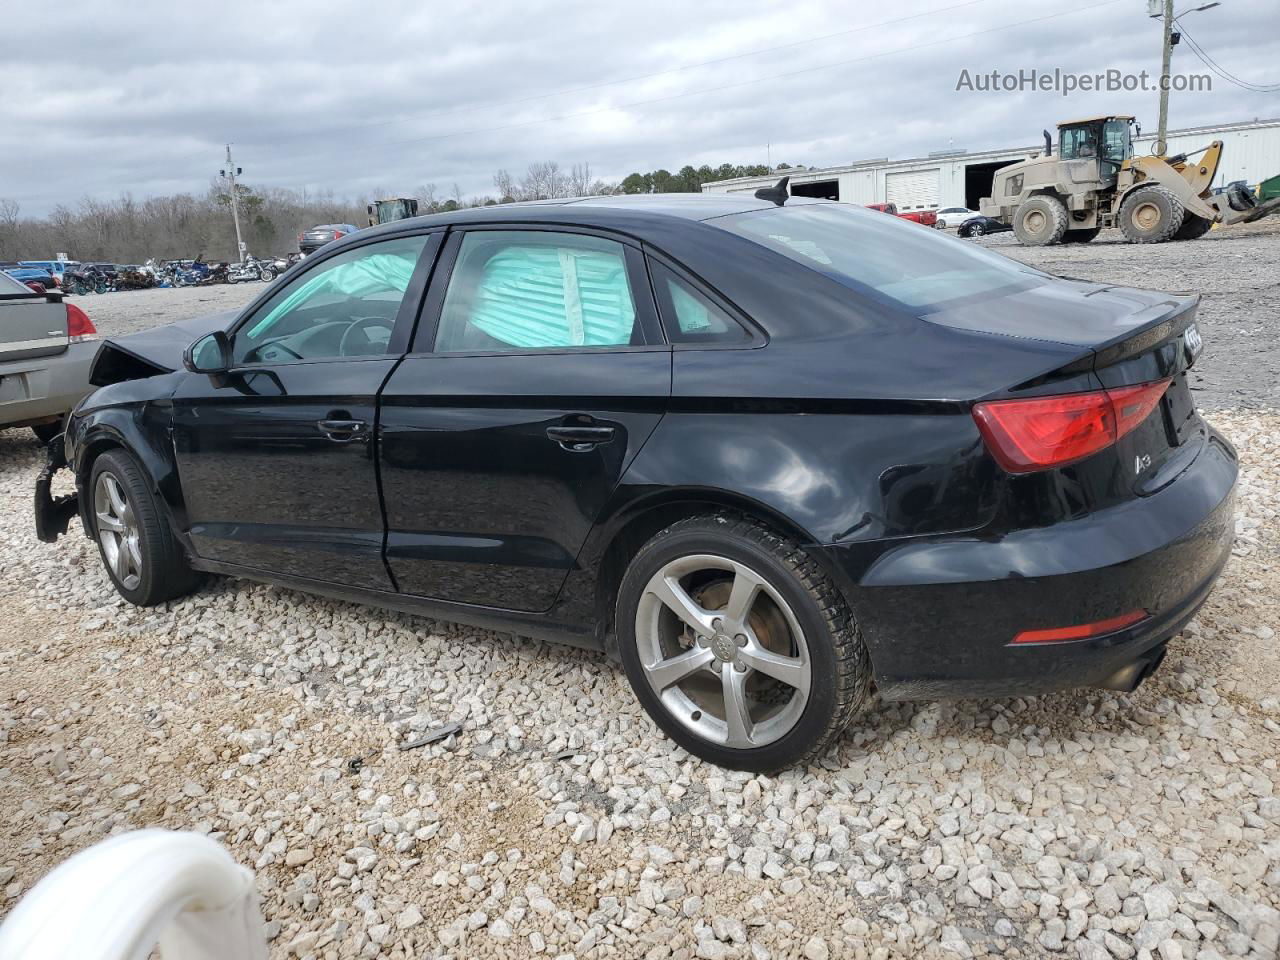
x: 1095, y: 181
x: 391, y: 210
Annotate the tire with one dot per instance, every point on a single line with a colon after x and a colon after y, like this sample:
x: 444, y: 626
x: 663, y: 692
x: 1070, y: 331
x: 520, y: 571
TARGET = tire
x: 977, y: 230
x: 267, y: 274
x: 795, y: 615
x: 1150, y: 215
x: 1040, y: 221
x: 1193, y: 227
x: 151, y: 567
x: 1081, y: 236
x: 47, y: 431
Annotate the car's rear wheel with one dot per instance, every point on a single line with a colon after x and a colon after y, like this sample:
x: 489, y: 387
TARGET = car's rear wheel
x: 139, y: 551
x: 738, y: 645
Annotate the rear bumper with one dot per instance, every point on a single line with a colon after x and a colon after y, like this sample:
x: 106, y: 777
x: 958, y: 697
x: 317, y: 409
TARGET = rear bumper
x: 45, y: 387
x: 940, y: 614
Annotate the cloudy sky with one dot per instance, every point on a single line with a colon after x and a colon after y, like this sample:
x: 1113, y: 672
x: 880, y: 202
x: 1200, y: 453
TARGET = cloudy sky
x: 355, y: 97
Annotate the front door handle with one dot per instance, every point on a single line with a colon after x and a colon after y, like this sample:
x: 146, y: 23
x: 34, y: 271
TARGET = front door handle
x: 580, y: 438
x: 343, y: 431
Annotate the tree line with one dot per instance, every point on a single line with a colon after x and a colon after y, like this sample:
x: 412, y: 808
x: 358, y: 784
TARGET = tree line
x: 128, y: 230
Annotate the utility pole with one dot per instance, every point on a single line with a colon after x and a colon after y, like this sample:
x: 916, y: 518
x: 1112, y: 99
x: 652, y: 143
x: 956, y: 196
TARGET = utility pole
x: 1165, y: 54
x: 229, y: 174
x: 1171, y: 38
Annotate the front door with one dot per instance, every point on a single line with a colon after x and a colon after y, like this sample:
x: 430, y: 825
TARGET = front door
x: 502, y: 437
x: 277, y: 459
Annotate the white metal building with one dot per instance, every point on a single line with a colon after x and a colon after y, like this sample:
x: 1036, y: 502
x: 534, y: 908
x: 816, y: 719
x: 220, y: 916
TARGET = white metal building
x: 1251, y: 152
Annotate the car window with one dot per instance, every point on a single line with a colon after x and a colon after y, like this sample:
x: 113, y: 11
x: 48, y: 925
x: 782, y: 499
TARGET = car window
x: 883, y: 257
x: 345, y: 306
x: 689, y: 315
x: 536, y: 290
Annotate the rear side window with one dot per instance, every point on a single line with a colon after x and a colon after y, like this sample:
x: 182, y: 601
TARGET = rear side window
x: 537, y: 290
x: 885, y: 258
x: 689, y: 315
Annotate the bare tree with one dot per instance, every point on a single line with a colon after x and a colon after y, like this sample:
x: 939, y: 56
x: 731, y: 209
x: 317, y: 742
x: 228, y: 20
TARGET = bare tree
x: 506, y: 187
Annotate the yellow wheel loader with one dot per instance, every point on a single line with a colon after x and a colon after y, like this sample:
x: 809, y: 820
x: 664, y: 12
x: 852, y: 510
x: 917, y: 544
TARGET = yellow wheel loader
x: 1095, y: 181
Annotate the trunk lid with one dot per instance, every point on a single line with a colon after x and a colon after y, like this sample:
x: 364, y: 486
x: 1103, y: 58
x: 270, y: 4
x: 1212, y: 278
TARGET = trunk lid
x: 1125, y: 337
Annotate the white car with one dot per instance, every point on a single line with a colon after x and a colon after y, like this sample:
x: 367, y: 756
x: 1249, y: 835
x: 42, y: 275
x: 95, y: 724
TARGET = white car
x: 951, y: 217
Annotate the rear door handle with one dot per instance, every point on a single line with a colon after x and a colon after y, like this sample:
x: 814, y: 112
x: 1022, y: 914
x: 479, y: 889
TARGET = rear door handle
x: 579, y: 438
x: 343, y: 431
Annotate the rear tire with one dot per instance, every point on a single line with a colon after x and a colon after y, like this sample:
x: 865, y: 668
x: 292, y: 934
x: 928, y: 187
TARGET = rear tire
x: 139, y: 551
x: 1150, y: 215
x: 1081, y: 236
x: 1193, y: 227
x: 774, y: 638
x: 1040, y: 221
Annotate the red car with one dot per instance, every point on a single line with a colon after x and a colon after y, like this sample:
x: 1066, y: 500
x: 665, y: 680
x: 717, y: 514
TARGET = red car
x: 926, y: 218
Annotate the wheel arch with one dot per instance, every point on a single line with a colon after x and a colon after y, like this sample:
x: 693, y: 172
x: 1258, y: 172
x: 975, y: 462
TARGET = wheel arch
x: 629, y: 529
x: 119, y: 429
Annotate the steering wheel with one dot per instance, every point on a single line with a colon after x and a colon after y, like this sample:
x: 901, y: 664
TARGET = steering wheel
x: 256, y: 354
x: 360, y: 325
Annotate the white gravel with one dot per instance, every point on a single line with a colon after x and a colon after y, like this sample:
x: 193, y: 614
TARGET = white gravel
x: 559, y: 823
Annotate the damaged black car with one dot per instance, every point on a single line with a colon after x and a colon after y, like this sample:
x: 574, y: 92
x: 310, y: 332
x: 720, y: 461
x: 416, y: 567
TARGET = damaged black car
x: 767, y: 451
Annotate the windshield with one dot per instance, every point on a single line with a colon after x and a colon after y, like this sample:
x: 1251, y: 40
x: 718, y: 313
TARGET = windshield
x: 900, y: 263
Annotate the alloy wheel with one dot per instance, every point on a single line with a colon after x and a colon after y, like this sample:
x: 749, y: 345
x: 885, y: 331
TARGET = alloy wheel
x: 723, y: 651
x: 118, y: 531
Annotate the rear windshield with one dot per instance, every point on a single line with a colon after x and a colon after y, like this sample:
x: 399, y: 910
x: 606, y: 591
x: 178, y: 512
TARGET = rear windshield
x: 10, y: 286
x: 892, y: 260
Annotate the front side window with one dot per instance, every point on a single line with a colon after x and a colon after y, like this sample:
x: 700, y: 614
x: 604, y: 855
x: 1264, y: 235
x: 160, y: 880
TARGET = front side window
x: 344, y: 307
x: 886, y: 258
x: 1115, y: 140
x: 534, y: 290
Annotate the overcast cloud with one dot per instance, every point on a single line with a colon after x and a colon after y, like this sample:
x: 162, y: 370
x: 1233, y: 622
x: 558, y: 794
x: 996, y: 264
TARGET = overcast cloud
x: 355, y: 97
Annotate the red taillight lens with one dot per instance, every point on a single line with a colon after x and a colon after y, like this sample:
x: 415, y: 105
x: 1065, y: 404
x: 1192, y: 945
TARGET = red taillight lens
x: 1043, y: 432
x: 338, y: 234
x: 79, y: 326
x: 1083, y: 631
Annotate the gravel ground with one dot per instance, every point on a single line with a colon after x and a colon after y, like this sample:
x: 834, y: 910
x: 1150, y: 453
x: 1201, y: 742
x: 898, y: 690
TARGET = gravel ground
x: 559, y: 822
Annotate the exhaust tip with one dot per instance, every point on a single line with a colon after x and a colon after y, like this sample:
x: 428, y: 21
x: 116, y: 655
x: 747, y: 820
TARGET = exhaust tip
x: 1129, y: 677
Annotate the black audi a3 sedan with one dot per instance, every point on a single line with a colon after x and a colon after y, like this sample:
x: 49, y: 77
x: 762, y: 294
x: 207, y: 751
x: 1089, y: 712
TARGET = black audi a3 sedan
x: 767, y: 451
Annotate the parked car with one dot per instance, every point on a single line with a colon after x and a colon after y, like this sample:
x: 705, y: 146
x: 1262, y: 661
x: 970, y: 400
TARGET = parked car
x: 56, y: 267
x: 30, y: 275
x: 980, y: 226
x: 889, y: 208
x: 926, y: 218
x: 45, y: 353
x: 309, y: 241
x: 954, y: 216
x: 766, y: 450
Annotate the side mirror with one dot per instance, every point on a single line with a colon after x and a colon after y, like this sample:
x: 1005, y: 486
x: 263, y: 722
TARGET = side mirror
x: 210, y: 354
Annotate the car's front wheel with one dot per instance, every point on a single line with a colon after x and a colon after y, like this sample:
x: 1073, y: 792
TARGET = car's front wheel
x: 142, y: 556
x: 738, y: 644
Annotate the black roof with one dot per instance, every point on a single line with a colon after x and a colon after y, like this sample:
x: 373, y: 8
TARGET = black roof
x: 623, y: 212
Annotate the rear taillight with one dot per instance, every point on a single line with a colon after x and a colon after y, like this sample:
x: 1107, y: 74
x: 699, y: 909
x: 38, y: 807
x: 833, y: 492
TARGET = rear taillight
x: 79, y: 326
x: 299, y: 238
x: 338, y: 234
x: 1043, y: 432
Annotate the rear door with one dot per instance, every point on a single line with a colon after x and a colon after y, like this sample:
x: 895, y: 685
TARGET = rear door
x: 276, y: 458
x: 537, y: 373
x: 30, y: 325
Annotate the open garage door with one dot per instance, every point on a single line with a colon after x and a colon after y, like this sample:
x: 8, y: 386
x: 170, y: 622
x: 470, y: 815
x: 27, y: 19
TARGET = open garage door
x: 912, y: 189
x: 978, y: 178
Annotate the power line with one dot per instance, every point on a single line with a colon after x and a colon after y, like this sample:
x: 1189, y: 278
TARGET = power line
x: 1222, y: 71
x: 484, y: 104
